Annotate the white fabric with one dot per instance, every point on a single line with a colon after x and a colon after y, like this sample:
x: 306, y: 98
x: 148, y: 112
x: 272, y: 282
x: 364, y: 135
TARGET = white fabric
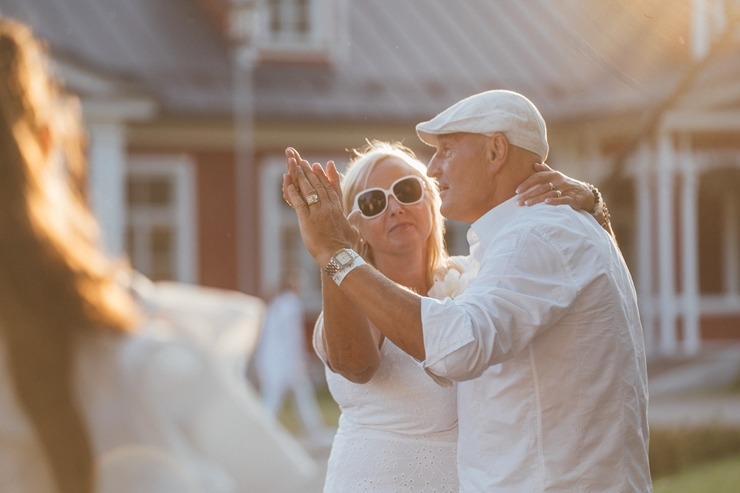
x: 547, y: 347
x: 398, y: 432
x: 281, y: 362
x: 163, y: 416
x: 223, y: 322
x: 490, y: 112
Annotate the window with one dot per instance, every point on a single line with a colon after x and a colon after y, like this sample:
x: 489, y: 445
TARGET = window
x: 300, y: 30
x: 289, y: 20
x: 160, y: 233
x: 719, y: 234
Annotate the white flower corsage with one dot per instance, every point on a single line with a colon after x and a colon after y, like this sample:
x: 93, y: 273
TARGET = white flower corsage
x: 449, y: 282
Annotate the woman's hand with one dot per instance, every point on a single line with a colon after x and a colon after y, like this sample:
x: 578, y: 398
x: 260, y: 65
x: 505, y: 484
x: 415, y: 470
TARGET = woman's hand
x: 554, y: 188
x: 315, y: 195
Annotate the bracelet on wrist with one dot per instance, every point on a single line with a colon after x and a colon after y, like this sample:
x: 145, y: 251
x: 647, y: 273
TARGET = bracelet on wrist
x: 597, y: 199
x: 607, y: 217
x: 599, y: 206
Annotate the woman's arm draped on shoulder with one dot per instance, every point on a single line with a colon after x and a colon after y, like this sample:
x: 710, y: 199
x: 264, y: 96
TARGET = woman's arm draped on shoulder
x: 554, y: 188
x: 351, y: 344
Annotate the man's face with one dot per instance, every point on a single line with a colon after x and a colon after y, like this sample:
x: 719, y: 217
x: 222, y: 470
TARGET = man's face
x: 460, y: 166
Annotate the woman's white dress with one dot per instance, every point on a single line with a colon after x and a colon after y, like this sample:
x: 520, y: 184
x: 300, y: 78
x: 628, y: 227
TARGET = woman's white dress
x: 398, y: 432
x: 165, y: 415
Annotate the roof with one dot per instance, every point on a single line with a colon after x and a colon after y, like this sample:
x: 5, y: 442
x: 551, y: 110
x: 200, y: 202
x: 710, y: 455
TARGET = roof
x: 164, y: 47
x: 418, y: 56
x: 399, y: 61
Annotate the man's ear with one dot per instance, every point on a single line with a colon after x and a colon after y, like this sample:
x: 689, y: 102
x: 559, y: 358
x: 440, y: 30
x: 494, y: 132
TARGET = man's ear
x: 497, y: 151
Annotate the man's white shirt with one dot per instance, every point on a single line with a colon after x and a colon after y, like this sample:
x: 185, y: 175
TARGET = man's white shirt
x: 547, y: 347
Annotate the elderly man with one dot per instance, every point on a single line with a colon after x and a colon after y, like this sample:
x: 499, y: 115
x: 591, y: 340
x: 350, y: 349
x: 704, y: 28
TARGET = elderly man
x: 545, y: 342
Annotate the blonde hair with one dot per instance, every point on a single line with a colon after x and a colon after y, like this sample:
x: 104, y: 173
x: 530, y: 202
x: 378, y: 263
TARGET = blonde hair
x: 55, y: 282
x: 355, y: 180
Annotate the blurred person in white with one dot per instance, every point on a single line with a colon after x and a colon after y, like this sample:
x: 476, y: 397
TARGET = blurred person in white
x: 398, y: 428
x: 544, y: 342
x: 91, y: 401
x: 281, y: 360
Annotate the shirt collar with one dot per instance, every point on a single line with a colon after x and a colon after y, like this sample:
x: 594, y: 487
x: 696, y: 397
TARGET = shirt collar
x: 493, y: 221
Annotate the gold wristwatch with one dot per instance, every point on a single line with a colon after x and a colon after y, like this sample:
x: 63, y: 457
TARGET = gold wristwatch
x: 342, y: 263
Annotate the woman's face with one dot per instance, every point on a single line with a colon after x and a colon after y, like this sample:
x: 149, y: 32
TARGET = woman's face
x: 400, y: 228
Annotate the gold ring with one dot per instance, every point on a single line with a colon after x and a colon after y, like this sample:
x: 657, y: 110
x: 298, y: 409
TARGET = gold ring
x: 552, y: 187
x: 312, y: 199
x: 558, y: 193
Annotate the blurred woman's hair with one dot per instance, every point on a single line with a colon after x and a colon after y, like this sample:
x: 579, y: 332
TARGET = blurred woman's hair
x: 355, y: 179
x: 55, y: 280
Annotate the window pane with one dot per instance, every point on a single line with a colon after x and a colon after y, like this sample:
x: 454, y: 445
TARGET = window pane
x: 143, y: 191
x: 303, y: 24
x: 274, y: 13
x: 160, y: 240
x: 162, y: 268
x: 289, y: 19
x: 714, y: 237
x: 136, y: 191
x: 162, y: 255
x: 292, y: 244
x: 160, y: 191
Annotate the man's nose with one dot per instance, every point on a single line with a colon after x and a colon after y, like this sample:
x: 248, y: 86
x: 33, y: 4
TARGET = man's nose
x: 433, y: 168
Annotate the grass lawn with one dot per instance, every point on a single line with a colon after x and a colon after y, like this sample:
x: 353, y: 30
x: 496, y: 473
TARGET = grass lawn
x: 721, y: 476
x: 289, y: 417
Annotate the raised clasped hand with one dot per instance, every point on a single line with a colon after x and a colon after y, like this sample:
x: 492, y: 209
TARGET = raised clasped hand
x: 315, y: 195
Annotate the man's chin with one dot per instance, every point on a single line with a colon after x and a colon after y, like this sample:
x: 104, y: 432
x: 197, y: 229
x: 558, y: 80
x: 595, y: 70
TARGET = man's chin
x: 448, y: 210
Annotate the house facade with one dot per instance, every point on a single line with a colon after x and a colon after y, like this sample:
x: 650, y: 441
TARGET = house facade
x: 191, y: 103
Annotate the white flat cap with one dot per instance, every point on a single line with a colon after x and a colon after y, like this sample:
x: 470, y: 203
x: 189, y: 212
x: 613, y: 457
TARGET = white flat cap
x: 490, y: 112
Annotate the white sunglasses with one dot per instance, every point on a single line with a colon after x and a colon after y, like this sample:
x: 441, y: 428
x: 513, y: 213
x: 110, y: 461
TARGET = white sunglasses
x: 373, y: 202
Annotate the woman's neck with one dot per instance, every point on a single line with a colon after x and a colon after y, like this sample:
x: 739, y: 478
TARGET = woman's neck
x: 409, y: 270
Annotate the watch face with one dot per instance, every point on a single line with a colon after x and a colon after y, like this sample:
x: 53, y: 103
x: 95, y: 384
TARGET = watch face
x: 344, y: 257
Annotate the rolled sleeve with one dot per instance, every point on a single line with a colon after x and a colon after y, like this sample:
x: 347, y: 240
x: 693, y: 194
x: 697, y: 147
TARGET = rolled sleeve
x: 440, y: 319
x: 514, y: 297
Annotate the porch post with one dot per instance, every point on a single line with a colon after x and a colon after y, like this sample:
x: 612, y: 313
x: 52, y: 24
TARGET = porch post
x: 666, y: 253
x: 690, y: 251
x: 107, y: 182
x: 644, y: 219
x: 244, y: 27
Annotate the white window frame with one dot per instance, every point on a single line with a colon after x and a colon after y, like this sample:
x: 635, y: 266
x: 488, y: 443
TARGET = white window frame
x: 321, y: 43
x: 181, y: 216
